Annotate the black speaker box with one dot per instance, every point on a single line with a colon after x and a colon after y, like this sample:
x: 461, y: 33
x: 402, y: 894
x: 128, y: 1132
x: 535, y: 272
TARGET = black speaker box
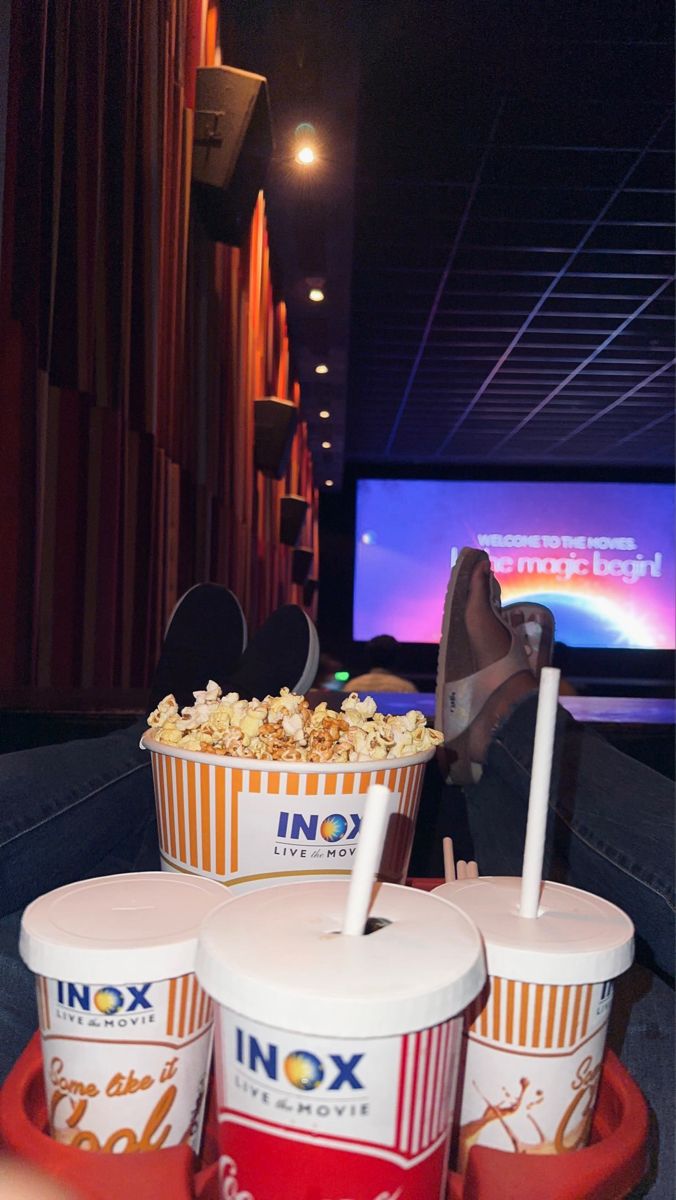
x: 301, y: 563
x: 275, y: 423
x: 309, y: 588
x: 232, y: 146
x: 291, y: 517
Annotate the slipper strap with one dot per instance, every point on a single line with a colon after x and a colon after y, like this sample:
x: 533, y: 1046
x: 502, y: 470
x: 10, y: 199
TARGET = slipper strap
x: 465, y: 698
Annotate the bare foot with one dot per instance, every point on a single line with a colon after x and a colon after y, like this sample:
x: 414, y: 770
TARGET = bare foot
x: 490, y: 641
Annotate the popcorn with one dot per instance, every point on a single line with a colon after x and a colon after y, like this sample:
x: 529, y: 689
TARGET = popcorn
x: 284, y: 728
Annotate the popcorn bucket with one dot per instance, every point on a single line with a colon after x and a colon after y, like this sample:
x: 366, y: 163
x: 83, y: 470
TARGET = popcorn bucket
x: 250, y: 823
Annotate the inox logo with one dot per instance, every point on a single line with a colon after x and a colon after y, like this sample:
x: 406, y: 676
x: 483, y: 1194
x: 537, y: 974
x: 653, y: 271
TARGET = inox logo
x: 301, y: 1068
x: 106, y: 1000
x: 333, y: 828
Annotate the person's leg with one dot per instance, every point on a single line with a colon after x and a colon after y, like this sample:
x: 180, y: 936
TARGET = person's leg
x: 68, y: 807
x: 101, y: 823
x: 641, y: 1032
x: 610, y: 828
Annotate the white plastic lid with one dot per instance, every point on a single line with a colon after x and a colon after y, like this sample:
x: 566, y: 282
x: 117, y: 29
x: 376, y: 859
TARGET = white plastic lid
x: 277, y: 957
x: 578, y: 937
x: 119, y: 928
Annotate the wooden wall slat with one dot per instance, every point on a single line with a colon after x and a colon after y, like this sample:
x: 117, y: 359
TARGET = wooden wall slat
x: 132, y: 352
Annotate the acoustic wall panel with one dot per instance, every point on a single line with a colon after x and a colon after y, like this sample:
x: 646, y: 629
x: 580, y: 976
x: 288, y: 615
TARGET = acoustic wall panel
x: 132, y: 349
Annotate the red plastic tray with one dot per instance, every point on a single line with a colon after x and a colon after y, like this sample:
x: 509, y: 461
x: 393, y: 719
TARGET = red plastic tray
x: 608, y: 1169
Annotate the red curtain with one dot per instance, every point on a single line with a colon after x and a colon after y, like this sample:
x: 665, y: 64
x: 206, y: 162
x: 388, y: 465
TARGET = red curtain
x: 131, y: 352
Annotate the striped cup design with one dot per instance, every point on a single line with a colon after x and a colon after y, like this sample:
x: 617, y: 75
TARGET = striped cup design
x: 536, y: 1016
x: 189, y: 1008
x: 372, y: 1115
x: 428, y: 1078
x: 533, y: 1060
x: 248, y: 824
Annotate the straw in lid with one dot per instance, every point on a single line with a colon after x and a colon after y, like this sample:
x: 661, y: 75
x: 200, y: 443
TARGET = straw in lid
x: 576, y: 938
x: 277, y: 957
x: 118, y: 928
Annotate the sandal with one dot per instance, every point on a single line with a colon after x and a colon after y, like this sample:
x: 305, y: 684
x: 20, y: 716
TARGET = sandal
x: 462, y: 689
x: 534, y: 626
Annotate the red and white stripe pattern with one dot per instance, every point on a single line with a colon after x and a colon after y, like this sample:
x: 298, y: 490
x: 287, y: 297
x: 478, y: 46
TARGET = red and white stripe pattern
x: 427, y: 1082
x: 546, y: 1017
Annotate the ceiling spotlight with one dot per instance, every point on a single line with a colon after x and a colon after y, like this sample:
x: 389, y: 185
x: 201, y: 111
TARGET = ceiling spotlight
x: 315, y: 294
x: 324, y: 414
x: 328, y: 483
x: 305, y: 139
x: 321, y: 369
x: 326, y: 445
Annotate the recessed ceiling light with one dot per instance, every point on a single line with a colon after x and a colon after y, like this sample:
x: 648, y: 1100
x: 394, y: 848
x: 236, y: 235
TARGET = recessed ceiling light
x: 316, y: 294
x: 321, y: 369
x: 328, y: 483
x: 305, y: 156
x: 324, y: 414
x: 326, y: 445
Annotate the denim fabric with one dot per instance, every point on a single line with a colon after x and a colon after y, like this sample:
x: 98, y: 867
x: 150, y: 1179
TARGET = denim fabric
x: 67, y: 812
x: 641, y: 1032
x: 610, y: 826
x: 64, y: 807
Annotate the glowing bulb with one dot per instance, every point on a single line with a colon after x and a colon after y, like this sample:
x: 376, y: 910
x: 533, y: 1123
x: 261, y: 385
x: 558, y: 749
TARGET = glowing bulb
x: 306, y: 156
x: 316, y: 294
x: 321, y: 369
x: 326, y: 445
x: 328, y: 483
x: 324, y: 414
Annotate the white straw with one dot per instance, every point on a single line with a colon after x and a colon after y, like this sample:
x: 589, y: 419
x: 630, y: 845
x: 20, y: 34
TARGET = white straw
x: 538, y: 800
x: 367, y: 859
x: 449, y: 862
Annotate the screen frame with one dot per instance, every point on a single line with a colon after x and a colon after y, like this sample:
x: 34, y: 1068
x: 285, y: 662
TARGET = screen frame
x: 418, y: 659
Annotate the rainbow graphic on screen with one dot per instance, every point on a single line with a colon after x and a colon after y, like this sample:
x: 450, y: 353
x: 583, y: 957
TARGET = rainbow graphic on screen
x: 600, y: 555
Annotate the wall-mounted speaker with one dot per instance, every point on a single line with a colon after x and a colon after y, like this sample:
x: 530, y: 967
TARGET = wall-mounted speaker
x: 301, y: 563
x: 292, y: 512
x: 232, y: 146
x: 275, y: 423
x: 309, y: 589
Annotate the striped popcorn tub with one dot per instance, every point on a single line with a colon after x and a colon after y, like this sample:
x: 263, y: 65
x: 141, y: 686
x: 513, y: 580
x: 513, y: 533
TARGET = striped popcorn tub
x: 250, y: 823
x: 535, y: 1037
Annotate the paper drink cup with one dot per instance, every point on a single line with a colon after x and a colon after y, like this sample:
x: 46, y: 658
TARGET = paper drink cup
x: 126, y: 1029
x: 336, y: 1057
x: 535, y: 1036
x: 251, y: 823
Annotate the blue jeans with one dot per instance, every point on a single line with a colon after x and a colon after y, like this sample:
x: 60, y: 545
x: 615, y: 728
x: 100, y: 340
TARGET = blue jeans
x: 67, y: 812
x: 610, y: 826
